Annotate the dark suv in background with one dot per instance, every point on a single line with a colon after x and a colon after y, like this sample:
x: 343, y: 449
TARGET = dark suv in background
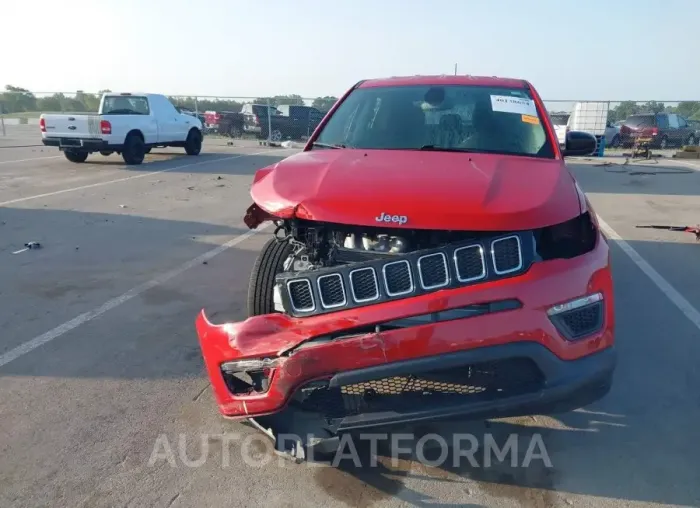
x: 660, y: 130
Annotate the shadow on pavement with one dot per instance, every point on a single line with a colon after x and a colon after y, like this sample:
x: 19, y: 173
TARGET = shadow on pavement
x: 235, y: 162
x: 638, y: 177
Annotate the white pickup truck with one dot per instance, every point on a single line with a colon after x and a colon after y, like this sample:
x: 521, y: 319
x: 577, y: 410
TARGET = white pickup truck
x: 128, y: 124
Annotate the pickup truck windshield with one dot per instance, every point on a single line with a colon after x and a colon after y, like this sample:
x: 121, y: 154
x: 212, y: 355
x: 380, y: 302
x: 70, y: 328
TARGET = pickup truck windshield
x: 450, y: 118
x: 125, y: 105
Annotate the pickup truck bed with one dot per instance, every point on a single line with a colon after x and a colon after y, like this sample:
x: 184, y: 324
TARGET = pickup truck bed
x: 128, y: 124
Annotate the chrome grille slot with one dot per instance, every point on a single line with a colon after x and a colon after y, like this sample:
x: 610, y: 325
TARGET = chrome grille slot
x: 364, y: 285
x: 432, y: 270
x: 331, y: 290
x: 506, y: 255
x: 398, y: 279
x: 301, y: 295
x: 470, y: 263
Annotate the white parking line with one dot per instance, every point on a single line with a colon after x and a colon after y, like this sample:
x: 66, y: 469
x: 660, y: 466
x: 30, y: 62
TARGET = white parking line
x: 32, y: 159
x: 666, y: 288
x: 74, y: 323
x: 133, y: 177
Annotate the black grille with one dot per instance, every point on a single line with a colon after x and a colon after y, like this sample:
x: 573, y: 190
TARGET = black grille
x: 300, y: 295
x: 376, y: 278
x: 506, y: 254
x: 470, y: 263
x: 331, y: 290
x: 364, y: 284
x: 578, y: 323
x: 432, y: 270
x: 398, y: 278
x: 454, y: 386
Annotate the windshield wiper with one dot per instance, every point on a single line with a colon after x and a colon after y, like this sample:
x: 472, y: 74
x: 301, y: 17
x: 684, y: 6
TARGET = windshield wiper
x: 327, y: 145
x: 435, y: 148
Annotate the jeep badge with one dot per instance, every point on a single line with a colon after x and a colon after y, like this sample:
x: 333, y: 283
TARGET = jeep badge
x: 395, y: 219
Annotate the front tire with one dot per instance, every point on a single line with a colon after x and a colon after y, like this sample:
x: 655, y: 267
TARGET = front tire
x: 270, y: 262
x: 76, y: 157
x: 193, y: 145
x: 134, y: 150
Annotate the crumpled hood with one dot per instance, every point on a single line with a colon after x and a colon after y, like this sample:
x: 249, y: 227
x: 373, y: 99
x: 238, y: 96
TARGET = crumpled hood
x: 420, y: 190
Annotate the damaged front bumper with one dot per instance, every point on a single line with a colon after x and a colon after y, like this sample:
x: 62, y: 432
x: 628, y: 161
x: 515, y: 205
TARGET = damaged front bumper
x: 500, y: 348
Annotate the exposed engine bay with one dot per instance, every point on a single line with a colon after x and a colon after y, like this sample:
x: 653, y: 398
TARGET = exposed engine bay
x: 321, y: 245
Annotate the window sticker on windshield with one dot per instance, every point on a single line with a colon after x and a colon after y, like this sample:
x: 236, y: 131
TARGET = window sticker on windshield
x: 531, y: 119
x: 505, y: 104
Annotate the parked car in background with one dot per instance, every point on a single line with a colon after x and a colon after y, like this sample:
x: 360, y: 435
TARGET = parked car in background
x: 560, y: 121
x: 612, y: 135
x: 695, y: 126
x: 303, y: 120
x: 252, y: 119
x: 660, y: 130
x: 126, y: 123
x: 283, y: 122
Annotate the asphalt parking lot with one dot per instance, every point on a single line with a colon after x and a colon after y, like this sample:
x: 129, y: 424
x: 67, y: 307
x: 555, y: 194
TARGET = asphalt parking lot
x: 99, y: 358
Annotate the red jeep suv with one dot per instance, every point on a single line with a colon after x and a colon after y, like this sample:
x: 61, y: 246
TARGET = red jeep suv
x: 432, y: 257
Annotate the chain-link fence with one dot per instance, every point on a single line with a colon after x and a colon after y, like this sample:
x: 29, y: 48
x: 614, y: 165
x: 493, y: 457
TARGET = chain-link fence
x: 616, y: 124
x: 274, y: 119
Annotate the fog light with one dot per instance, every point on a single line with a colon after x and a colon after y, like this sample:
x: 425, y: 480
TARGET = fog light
x: 575, y: 304
x: 249, y: 365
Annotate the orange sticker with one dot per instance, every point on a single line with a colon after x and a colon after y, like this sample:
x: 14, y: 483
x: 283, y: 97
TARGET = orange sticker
x: 531, y: 119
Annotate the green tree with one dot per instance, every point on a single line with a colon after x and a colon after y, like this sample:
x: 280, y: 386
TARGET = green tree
x: 17, y: 100
x: 324, y: 103
x: 688, y: 109
x: 623, y: 110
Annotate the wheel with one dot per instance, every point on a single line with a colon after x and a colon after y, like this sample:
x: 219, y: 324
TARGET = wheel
x: 270, y: 262
x: 276, y: 136
x: 75, y: 156
x: 134, y: 150
x: 193, y: 145
x: 664, y: 143
x: 105, y: 153
x: 691, y: 140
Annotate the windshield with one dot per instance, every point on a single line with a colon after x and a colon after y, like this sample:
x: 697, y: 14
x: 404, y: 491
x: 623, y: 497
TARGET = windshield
x: 560, y: 119
x: 640, y: 121
x: 125, y: 105
x: 454, y: 118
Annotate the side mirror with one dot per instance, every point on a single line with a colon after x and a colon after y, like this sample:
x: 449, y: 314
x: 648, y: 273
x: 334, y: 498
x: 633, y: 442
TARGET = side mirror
x: 579, y: 143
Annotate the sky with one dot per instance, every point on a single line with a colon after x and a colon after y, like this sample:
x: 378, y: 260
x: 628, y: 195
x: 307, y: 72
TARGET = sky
x: 569, y: 50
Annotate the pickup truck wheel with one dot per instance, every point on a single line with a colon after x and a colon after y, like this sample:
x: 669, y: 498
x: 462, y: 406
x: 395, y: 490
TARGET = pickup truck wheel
x: 134, y: 150
x: 193, y: 145
x: 270, y: 262
x: 76, y: 156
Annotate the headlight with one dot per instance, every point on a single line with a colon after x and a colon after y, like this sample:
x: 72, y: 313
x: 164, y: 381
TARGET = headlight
x: 568, y: 239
